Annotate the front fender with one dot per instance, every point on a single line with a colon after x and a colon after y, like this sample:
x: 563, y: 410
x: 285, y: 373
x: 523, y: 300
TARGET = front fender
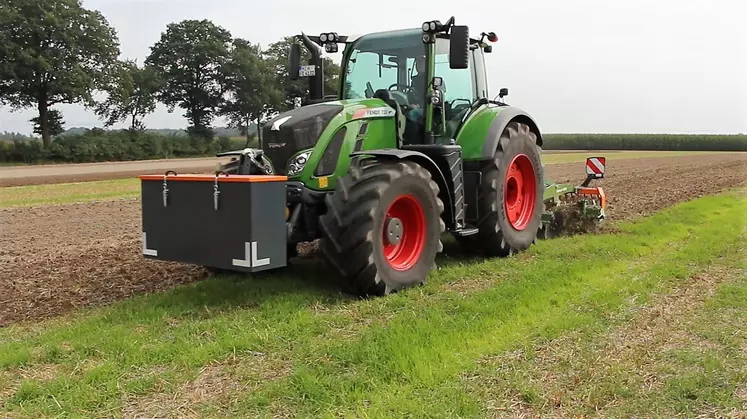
x: 445, y: 193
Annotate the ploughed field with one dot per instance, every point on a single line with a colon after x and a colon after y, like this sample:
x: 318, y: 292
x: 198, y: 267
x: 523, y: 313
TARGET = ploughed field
x: 57, y: 255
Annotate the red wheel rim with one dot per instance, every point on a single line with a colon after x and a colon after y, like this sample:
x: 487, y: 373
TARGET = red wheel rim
x: 520, y: 192
x: 404, y: 252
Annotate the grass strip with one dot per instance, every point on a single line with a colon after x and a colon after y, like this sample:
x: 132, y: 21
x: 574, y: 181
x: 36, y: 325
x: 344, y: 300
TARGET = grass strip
x: 68, y: 193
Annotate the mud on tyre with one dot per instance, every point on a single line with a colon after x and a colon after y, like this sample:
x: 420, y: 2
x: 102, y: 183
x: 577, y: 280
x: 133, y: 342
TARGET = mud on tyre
x: 382, y: 229
x: 510, y: 197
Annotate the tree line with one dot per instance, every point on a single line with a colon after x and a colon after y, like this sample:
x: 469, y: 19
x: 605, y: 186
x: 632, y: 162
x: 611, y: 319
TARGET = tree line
x: 58, y: 52
x: 97, y: 145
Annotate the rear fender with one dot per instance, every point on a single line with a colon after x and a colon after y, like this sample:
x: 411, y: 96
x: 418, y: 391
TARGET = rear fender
x: 480, y: 134
x: 499, y: 124
x: 445, y: 194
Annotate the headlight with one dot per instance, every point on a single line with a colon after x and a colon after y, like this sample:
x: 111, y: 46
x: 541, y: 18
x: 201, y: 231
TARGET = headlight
x: 297, y: 163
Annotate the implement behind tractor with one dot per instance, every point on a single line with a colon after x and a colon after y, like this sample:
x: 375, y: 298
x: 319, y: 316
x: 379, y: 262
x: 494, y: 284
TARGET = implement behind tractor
x: 412, y: 147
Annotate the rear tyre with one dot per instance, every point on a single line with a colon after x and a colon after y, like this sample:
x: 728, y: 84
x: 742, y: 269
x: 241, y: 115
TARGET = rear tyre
x: 382, y: 229
x: 511, y: 194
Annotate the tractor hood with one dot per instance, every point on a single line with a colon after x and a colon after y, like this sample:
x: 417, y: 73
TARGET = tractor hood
x: 301, y: 128
x: 296, y: 130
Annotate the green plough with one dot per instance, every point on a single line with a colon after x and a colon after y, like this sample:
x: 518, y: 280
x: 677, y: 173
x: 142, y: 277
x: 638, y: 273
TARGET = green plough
x: 574, y: 209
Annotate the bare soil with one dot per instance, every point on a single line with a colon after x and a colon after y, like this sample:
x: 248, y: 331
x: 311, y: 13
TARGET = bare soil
x: 639, y: 187
x: 56, y: 258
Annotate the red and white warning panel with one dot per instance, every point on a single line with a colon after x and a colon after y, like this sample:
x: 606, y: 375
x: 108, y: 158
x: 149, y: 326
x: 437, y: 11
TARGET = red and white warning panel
x: 595, y: 166
x: 232, y: 222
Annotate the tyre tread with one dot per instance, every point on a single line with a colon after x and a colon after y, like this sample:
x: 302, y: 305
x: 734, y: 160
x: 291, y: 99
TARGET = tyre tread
x: 490, y: 236
x: 347, y: 243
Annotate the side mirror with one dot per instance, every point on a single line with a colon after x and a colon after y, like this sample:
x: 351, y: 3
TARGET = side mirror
x: 503, y: 92
x: 294, y: 61
x: 459, y: 47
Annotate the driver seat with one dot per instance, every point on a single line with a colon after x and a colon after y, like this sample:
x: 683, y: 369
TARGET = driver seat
x: 399, y: 118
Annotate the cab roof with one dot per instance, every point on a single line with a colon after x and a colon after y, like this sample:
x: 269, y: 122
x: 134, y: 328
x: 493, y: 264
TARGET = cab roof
x: 396, y: 40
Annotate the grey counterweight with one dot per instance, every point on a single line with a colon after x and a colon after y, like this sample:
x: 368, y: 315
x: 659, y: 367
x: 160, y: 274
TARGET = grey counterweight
x: 234, y: 222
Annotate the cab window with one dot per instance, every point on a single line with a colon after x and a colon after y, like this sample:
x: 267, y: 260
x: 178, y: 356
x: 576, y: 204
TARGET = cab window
x: 364, y: 68
x: 458, y: 84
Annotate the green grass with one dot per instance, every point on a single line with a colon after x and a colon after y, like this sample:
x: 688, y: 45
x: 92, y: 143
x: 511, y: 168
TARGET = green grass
x: 287, y: 344
x: 65, y: 193
x: 682, y: 353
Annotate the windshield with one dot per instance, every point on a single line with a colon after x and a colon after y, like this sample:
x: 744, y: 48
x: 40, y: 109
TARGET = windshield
x: 382, y: 61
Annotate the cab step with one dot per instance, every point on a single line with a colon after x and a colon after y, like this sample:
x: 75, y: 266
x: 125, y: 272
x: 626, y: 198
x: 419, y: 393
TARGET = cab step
x: 467, y: 231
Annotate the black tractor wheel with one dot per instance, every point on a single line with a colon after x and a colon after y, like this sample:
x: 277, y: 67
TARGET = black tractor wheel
x: 511, y: 194
x: 382, y: 229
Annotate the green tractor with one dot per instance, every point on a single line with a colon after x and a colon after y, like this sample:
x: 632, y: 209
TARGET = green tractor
x: 412, y: 147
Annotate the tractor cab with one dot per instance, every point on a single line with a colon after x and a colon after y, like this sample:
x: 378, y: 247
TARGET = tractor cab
x: 431, y: 76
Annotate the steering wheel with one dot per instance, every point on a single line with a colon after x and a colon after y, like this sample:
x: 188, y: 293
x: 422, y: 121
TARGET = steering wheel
x: 452, y: 103
x: 406, y: 87
x: 453, y: 108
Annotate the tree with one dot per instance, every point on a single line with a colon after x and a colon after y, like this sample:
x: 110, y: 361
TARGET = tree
x: 55, y: 123
x: 131, y: 96
x: 250, y: 84
x: 188, y: 59
x: 331, y: 77
x: 277, y: 54
x: 51, y: 52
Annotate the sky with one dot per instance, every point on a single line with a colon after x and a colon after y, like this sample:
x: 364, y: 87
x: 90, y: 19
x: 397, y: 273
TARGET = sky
x: 619, y: 66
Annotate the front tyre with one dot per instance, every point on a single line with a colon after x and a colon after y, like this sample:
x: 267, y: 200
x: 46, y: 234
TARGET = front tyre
x: 383, y: 226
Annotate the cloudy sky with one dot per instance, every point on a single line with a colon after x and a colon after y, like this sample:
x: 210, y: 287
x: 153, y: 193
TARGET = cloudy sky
x: 677, y: 66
